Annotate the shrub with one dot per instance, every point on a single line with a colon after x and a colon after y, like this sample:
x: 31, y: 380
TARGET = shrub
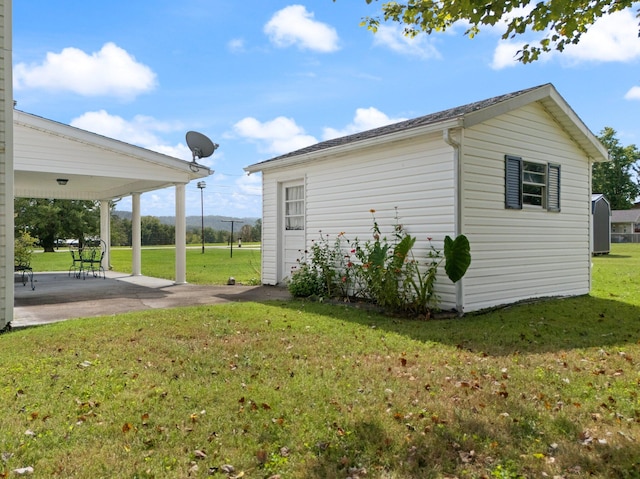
x: 306, y: 282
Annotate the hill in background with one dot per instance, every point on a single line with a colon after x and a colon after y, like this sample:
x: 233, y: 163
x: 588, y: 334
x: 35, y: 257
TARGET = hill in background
x: 220, y: 223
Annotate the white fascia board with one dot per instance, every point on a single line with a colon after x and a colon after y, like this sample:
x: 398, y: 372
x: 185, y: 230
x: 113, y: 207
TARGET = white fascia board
x: 353, y: 146
x: 99, y: 141
x: 557, y: 107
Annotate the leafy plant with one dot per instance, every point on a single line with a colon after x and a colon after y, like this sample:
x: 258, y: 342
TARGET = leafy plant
x: 381, y: 270
x: 384, y: 269
x: 23, y: 249
x: 457, y: 257
x: 306, y: 282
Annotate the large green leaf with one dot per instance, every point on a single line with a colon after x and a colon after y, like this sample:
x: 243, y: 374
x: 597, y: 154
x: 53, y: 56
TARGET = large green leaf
x: 458, y: 257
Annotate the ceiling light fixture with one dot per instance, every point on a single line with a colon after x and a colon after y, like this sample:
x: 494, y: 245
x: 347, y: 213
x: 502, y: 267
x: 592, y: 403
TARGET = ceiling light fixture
x: 62, y: 181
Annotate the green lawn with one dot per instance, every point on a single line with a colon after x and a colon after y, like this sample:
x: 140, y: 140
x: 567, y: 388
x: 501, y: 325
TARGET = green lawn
x: 311, y: 390
x: 215, y: 266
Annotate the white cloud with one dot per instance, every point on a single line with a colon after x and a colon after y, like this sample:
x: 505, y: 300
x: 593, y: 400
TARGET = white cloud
x: 613, y: 38
x: 236, y: 45
x: 393, y: 38
x: 112, y: 71
x: 633, y: 93
x: 278, y: 136
x: 141, y: 131
x: 294, y: 25
x: 505, y: 55
x: 365, y: 119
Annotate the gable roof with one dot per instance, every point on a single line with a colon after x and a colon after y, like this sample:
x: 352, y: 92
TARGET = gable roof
x: 625, y: 216
x: 461, y: 116
x: 96, y: 167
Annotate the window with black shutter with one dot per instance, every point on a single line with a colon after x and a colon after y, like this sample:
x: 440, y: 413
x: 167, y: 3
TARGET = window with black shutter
x: 513, y: 186
x: 553, y: 188
x: 531, y: 184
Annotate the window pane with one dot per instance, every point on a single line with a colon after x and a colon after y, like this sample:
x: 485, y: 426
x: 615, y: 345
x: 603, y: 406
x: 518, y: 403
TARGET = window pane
x: 534, y: 180
x: 294, y: 193
x: 294, y: 223
x: 537, y: 178
x: 294, y: 208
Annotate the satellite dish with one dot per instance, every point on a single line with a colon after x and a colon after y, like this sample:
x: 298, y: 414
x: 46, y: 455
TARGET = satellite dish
x: 200, y: 145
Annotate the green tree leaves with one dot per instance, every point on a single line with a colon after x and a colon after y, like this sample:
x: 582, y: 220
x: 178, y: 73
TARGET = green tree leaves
x: 614, y: 178
x: 563, y: 21
x: 51, y: 219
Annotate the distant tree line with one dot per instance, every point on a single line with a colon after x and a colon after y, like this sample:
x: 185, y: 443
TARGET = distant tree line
x: 49, y: 221
x: 154, y: 232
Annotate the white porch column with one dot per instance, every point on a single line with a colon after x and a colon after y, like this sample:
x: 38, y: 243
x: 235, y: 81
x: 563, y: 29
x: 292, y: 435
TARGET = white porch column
x: 6, y: 168
x: 181, y: 234
x: 105, y: 232
x: 136, y: 241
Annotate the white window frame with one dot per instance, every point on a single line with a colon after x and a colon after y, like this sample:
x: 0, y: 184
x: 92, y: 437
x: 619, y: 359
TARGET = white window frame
x: 294, y: 208
x: 523, y: 177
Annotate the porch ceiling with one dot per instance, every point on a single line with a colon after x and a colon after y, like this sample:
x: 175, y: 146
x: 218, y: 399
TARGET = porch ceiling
x: 96, y: 167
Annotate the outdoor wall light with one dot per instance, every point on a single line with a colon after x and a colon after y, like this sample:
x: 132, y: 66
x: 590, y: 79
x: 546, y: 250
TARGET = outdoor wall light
x: 62, y: 181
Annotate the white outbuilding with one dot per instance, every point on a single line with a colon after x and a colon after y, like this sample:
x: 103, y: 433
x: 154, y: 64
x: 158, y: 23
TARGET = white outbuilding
x: 512, y: 173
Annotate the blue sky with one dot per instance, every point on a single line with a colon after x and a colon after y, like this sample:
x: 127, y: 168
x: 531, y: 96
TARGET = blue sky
x: 265, y: 78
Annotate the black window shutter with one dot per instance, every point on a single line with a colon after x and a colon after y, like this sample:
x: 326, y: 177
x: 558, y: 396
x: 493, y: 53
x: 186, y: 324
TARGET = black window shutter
x: 513, y: 182
x: 553, y: 188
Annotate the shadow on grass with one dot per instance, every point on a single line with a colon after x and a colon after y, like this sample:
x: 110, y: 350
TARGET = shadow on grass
x: 544, y: 326
x: 427, y: 450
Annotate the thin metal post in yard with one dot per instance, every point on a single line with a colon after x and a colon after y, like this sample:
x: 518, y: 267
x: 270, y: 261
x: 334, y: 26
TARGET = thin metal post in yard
x: 231, y: 241
x: 202, y: 185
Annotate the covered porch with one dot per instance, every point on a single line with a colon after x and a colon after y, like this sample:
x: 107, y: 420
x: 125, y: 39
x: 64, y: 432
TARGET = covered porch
x: 54, y: 160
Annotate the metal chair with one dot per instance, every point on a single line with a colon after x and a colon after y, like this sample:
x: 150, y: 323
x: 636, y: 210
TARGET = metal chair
x: 76, y: 258
x: 27, y: 273
x: 95, y: 252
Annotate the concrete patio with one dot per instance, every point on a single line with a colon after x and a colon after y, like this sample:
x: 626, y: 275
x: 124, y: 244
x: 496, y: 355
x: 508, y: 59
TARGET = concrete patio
x: 58, y: 296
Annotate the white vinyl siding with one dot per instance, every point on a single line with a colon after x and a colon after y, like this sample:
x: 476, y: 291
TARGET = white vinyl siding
x: 416, y: 176
x: 269, y: 230
x: 518, y: 254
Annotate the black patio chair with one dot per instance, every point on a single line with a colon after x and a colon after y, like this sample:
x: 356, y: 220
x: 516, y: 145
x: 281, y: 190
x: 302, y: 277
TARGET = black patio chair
x: 26, y: 271
x: 76, y: 258
x: 92, y: 259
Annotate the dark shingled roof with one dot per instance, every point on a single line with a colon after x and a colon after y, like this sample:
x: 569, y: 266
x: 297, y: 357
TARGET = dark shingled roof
x: 444, y: 115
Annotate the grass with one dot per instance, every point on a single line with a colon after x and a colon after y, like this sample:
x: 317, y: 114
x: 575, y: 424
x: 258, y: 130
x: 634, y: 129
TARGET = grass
x: 215, y: 266
x: 312, y: 390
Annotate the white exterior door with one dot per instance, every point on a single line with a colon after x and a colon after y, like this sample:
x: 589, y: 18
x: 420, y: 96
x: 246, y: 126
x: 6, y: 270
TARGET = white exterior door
x: 293, y: 225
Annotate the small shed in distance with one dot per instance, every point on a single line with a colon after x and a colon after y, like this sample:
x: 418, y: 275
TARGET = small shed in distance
x: 601, y: 212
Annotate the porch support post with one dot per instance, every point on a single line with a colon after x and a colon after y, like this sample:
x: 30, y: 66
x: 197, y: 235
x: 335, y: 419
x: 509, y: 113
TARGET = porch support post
x: 136, y: 242
x: 6, y: 168
x: 105, y: 232
x: 181, y: 234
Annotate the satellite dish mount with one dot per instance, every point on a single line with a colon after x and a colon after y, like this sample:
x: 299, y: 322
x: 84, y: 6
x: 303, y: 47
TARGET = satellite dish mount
x: 200, y: 145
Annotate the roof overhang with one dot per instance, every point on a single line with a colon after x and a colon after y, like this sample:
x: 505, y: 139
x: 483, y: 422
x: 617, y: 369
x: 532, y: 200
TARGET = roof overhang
x: 95, y: 167
x: 546, y: 95
x: 354, y: 146
x: 559, y: 110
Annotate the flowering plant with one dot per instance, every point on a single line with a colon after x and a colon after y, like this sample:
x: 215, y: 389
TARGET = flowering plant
x: 380, y: 270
